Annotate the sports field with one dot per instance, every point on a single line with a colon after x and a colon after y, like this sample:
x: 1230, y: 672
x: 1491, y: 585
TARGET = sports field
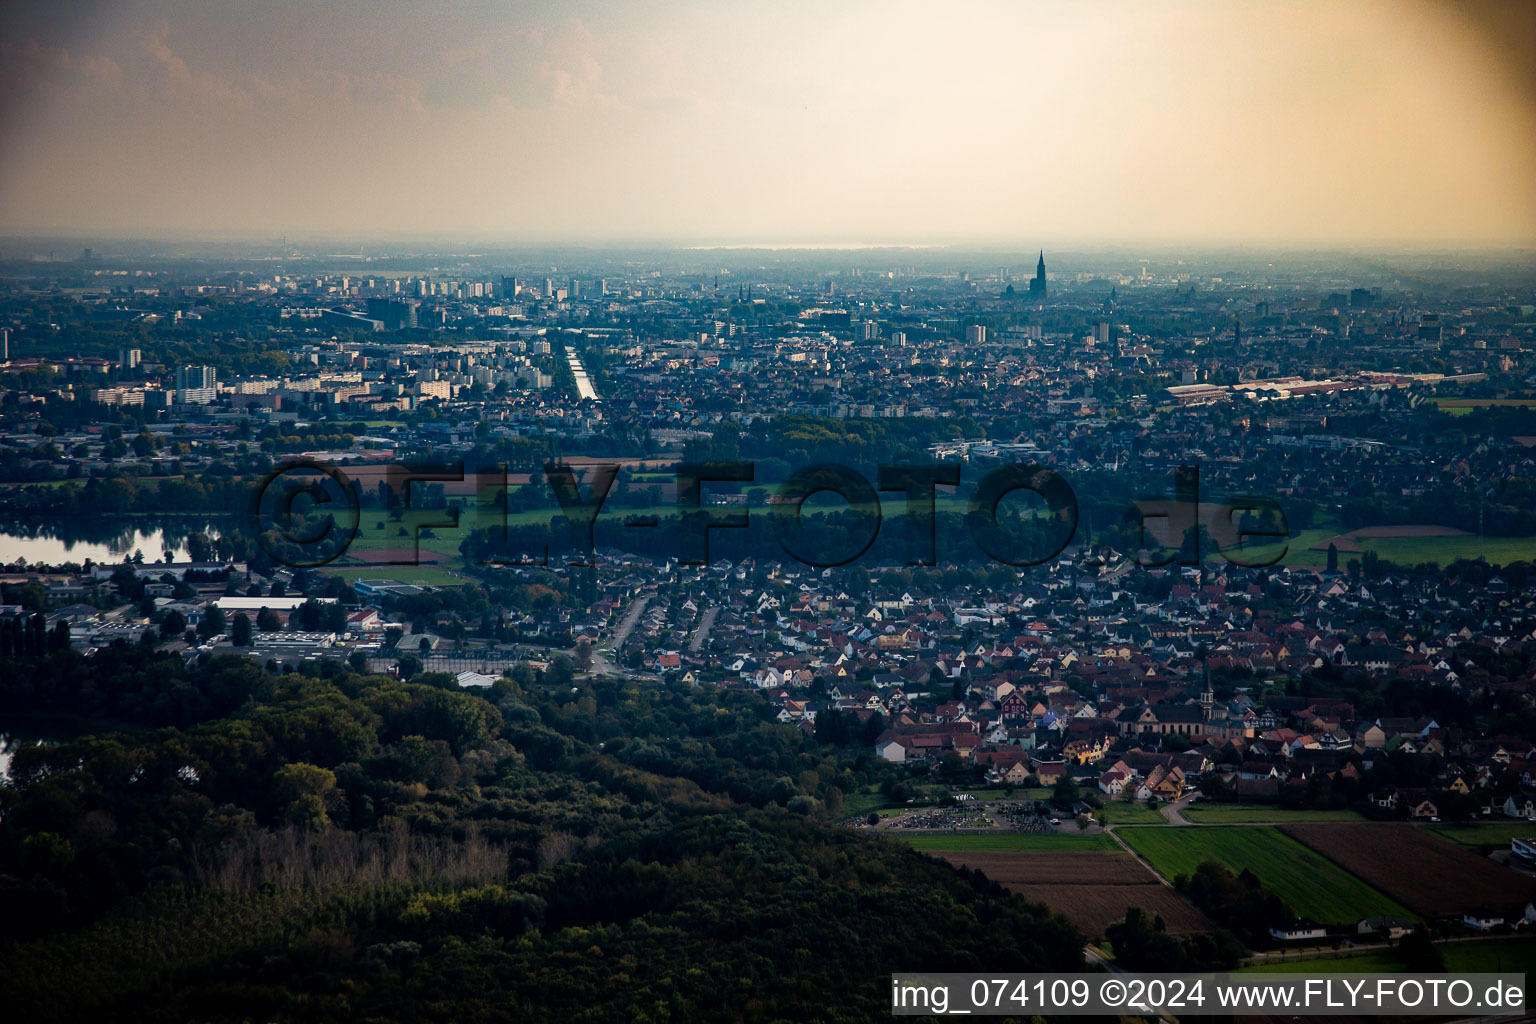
x: 1313, y: 885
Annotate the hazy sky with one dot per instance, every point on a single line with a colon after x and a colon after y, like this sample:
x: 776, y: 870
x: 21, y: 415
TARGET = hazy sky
x: 1028, y: 124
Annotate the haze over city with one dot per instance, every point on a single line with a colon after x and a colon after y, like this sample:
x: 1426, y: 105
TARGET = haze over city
x: 795, y: 123
x: 723, y: 512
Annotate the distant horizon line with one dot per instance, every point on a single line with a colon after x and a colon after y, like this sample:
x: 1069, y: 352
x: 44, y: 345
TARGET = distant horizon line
x: 339, y: 243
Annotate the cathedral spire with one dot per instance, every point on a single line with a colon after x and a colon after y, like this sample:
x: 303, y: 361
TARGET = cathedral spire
x: 1037, y: 286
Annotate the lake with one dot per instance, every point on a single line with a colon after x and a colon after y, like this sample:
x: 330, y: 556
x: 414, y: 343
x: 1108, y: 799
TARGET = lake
x: 12, y: 740
x: 55, y: 543
x: 50, y: 730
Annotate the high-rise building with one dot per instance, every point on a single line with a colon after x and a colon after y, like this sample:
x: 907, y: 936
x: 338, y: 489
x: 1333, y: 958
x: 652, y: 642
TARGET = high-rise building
x: 1037, y: 286
x: 395, y: 314
x: 196, y: 377
x: 975, y: 334
x: 508, y: 287
x: 5, y: 344
x: 129, y: 358
x: 1430, y: 331
x: 1101, y: 333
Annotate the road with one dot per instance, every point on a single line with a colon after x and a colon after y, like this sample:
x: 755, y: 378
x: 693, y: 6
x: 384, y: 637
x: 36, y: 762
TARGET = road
x: 626, y: 624
x: 1174, y: 812
x: 1139, y: 858
x: 602, y: 665
x: 706, y: 621
x: 1092, y: 957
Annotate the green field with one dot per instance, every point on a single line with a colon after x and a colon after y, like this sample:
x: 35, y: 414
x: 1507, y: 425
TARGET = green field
x: 1121, y: 812
x: 1236, y: 814
x: 862, y: 802
x: 39, y: 483
x: 1478, y: 956
x: 1444, y: 550
x: 1297, y: 548
x: 376, y: 530
x: 863, y: 811
x: 1493, y: 836
x: 1378, y: 962
x: 1313, y: 885
x: 1491, y: 957
x: 419, y: 575
x: 1402, y: 550
x: 1448, y: 404
x: 1007, y: 842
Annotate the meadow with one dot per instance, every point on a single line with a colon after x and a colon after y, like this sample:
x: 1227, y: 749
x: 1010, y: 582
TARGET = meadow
x: 1484, y: 837
x: 1401, y: 550
x: 1238, y: 814
x: 418, y: 575
x: 1473, y: 956
x: 1313, y: 885
x: 1122, y: 812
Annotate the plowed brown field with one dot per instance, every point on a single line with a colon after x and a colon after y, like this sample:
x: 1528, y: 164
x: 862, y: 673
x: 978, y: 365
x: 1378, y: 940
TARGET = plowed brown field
x: 1092, y: 890
x: 1426, y: 874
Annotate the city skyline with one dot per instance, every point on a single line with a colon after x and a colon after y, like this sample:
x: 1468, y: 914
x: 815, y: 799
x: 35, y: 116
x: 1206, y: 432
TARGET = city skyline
x: 563, y: 510
x: 1187, y: 124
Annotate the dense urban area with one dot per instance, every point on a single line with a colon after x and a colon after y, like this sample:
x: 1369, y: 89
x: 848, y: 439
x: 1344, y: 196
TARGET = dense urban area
x: 599, y: 704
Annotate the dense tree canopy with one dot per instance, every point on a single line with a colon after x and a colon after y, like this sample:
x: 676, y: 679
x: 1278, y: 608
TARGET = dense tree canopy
x: 357, y: 846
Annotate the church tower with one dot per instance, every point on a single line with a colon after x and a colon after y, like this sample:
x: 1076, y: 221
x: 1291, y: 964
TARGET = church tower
x: 1037, y: 286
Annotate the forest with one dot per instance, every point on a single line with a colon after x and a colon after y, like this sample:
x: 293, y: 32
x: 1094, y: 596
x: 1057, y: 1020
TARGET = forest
x: 327, y: 846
